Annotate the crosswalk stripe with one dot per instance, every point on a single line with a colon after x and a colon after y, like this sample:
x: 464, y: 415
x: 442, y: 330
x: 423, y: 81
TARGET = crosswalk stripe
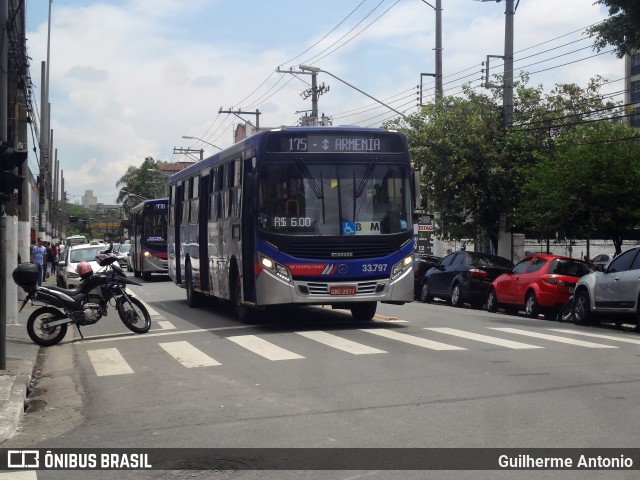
x: 340, y: 343
x: 418, y: 341
x: 165, y: 325
x: 597, y: 335
x: 188, y: 355
x: 263, y: 348
x: 23, y: 475
x: 484, y: 338
x: 553, y: 338
x: 151, y: 311
x: 108, y: 361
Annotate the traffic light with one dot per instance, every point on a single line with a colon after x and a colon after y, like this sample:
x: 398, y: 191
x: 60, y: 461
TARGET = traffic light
x: 10, y: 160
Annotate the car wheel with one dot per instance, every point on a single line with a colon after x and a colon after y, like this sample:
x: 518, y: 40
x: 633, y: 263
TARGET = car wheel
x: 424, y: 293
x: 531, y: 307
x: 581, y: 308
x: 492, y: 301
x: 456, y: 296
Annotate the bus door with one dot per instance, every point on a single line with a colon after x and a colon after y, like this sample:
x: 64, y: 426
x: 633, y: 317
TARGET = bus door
x: 179, y: 199
x: 248, y: 217
x: 202, y: 234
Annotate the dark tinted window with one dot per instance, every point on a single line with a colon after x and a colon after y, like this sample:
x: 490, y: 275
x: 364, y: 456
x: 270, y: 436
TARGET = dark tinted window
x: 461, y: 259
x: 636, y: 263
x: 536, y: 264
x: 483, y: 260
x: 601, y: 258
x: 622, y: 263
x: 521, y: 266
x: 446, y: 261
x: 568, y: 267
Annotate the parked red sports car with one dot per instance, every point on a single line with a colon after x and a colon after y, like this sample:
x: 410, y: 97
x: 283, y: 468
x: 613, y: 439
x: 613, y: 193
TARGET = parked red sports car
x: 540, y: 283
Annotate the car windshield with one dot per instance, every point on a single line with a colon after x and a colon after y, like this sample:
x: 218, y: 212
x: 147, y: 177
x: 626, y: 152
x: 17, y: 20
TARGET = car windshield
x: 124, y: 249
x: 84, y: 254
x: 572, y: 268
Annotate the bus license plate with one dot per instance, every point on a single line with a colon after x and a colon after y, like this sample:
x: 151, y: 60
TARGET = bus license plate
x: 342, y: 290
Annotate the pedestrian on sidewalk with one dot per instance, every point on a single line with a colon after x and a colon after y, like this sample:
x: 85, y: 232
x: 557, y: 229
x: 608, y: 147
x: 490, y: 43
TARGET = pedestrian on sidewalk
x: 47, y: 246
x: 39, y: 257
x: 54, y: 257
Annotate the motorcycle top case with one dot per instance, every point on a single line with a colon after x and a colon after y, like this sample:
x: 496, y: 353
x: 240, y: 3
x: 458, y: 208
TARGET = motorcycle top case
x: 26, y: 275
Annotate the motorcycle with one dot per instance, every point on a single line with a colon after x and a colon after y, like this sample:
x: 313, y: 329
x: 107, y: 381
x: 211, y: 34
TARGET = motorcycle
x: 82, y: 306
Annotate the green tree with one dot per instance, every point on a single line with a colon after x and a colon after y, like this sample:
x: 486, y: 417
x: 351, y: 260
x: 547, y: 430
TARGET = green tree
x: 621, y: 30
x: 587, y: 185
x: 473, y: 168
x: 145, y: 181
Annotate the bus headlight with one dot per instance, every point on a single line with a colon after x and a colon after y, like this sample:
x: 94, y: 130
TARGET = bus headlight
x: 279, y: 270
x: 146, y: 253
x: 400, y: 267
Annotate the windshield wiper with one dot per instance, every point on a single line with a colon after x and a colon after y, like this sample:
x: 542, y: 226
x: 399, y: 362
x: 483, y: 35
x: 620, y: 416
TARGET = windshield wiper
x: 365, y: 178
x: 312, y: 181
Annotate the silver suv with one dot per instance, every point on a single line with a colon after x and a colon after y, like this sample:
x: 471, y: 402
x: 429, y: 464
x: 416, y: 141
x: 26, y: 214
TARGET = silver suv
x: 611, y: 295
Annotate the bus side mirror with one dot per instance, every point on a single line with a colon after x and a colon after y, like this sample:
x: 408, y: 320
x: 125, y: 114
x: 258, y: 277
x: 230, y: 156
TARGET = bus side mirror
x: 415, y: 173
x: 125, y: 224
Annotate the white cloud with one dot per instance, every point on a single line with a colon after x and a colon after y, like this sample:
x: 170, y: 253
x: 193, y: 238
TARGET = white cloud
x: 128, y: 79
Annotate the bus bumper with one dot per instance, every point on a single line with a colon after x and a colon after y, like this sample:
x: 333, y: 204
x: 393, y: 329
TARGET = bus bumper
x: 275, y: 291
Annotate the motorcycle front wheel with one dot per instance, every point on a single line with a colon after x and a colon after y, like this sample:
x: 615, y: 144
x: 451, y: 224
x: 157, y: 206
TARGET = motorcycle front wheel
x: 134, y: 315
x: 38, y: 330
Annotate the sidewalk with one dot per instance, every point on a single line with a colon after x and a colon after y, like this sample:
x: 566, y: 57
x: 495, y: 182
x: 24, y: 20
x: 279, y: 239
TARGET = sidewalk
x: 21, y: 356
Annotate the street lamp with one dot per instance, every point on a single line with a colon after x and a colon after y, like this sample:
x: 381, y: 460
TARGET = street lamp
x: 308, y: 68
x: 188, y: 137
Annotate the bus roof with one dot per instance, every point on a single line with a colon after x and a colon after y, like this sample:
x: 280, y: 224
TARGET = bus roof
x: 141, y: 205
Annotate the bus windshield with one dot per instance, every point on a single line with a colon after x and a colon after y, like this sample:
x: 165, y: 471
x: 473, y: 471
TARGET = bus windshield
x: 154, y: 228
x: 334, y: 199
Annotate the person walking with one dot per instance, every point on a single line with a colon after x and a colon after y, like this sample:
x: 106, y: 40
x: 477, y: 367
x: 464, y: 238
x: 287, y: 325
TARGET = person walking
x: 39, y: 256
x: 54, y: 257
x: 47, y: 246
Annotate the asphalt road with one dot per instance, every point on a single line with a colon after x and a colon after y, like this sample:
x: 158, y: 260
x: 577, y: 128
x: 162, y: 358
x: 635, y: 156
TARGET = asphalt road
x: 419, y: 375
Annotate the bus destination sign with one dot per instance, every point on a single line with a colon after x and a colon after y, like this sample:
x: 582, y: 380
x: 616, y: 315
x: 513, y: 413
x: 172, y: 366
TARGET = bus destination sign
x: 333, y: 143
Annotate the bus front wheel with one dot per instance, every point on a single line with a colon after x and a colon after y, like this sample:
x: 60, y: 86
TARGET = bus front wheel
x: 363, y: 312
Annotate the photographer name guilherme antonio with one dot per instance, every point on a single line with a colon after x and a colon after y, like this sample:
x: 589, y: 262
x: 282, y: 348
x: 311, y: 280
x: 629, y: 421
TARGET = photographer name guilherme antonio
x: 530, y: 462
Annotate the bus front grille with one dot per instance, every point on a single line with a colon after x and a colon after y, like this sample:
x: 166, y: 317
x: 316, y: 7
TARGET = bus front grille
x: 336, y: 252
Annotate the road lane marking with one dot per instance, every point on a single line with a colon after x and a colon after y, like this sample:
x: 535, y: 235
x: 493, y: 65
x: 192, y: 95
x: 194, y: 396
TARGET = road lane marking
x: 151, y: 311
x: 340, y: 343
x: 110, y: 337
x: 418, y: 341
x: 484, y: 338
x: 597, y: 335
x: 188, y: 355
x: 22, y: 475
x: 553, y: 338
x: 263, y: 348
x: 165, y: 325
x: 108, y: 361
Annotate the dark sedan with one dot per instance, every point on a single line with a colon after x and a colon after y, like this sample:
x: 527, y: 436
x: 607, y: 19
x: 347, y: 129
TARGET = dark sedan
x: 422, y: 263
x: 463, y: 277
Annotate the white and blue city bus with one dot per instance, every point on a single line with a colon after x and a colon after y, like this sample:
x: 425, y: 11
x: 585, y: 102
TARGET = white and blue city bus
x: 148, y: 234
x: 297, y: 215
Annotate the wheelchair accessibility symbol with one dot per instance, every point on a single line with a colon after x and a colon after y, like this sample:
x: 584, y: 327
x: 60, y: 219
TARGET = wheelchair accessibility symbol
x: 348, y: 228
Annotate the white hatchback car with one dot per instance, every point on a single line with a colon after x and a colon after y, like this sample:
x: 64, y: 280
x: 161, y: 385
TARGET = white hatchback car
x: 67, y: 276
x: 610, y: 295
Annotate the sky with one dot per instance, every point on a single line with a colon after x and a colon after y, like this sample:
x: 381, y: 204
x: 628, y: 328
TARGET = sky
x: 129, y: 78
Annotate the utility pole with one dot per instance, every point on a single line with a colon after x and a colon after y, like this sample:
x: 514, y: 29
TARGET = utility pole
x: 507, y: 99
x: 237, y: 113
x: 314, y: 92
x: 187, y: 151
x: 507, y: 76
x: 438, y: 49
